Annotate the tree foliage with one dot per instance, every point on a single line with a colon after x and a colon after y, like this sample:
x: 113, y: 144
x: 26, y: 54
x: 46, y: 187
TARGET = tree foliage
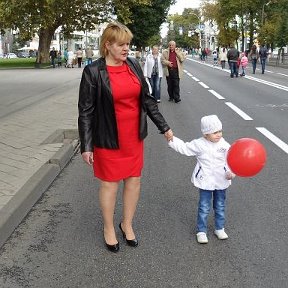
x: 145, y: 21
x: 45, y: 16
x: 185, y: 28
x: 263, y: 20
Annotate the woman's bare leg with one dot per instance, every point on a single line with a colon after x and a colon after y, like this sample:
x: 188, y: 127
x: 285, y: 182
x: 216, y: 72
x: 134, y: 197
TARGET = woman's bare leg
x: 131, y: 195
x: 107, y: 199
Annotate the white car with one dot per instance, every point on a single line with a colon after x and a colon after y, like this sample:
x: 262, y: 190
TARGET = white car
x: 10, y: 55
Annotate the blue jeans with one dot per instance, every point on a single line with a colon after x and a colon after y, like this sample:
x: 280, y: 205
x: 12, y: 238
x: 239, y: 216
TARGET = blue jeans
x: 263, y: 62
x: 233, y: 69
x: 155, y: 82
x: 254, y: 62
x: 204, y: 206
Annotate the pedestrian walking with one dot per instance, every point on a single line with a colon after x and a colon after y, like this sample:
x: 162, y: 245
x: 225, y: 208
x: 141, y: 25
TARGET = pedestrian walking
x: 70, y: 55
x: 215, y: 57
x: 79, y: 56
x: 89, y: 55
x: 263, y: 54
x: 253, y: 56
x: 172, y: 60
x: 154, y: 72
x: 53, y: 55
x: 243, y: 63
x: 233, y: 55
x: 59, y: 59
x: 223, y: 57
x: 66, y: 57
x: 211, y: 174
x: 114, y: 102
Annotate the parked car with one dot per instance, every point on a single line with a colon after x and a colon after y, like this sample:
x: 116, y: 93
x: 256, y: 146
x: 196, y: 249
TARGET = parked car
x: 10, y: 55
x: 23, y: 54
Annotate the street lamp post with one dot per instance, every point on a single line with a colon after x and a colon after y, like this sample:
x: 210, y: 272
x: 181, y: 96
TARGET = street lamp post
x: 199, y: 29
x: 263, y: 8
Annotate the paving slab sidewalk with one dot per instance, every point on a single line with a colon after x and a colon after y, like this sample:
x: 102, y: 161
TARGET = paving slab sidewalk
x: 36, y: 142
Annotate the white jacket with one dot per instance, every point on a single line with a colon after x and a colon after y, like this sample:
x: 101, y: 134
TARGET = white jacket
x: 149, y: 63
x: 210, y: 170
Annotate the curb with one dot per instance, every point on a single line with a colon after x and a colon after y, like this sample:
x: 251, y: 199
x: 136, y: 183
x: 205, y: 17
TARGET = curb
x: 13, y: 213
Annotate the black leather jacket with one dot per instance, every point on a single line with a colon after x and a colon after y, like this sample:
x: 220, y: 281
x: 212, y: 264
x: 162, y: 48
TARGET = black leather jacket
x: 97, y: 124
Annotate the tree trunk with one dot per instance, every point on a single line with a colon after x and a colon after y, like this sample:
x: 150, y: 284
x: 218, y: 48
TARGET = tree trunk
x: 251, y: 29
x: 45, y: 37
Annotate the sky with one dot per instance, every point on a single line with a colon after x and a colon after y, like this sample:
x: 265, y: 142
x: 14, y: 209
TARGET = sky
x: 178, y: 8
x: 181, y: 4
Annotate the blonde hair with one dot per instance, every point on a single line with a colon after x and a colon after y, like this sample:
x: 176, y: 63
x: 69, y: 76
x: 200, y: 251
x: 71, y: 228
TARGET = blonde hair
x: 114, y: 32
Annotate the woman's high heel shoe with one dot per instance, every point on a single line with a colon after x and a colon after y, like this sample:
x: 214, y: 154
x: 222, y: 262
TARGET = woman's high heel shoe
x: 113, y: 248
x: 133, y: 242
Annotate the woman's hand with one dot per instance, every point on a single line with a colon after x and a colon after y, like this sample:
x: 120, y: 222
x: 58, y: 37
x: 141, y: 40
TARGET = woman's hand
x: 88, y: 157
x: 169, y: 135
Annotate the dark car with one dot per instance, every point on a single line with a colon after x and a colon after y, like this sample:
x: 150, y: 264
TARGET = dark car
x: 23, y: 54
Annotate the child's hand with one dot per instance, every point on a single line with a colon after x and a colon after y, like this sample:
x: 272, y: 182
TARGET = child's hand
x: 229, y: 175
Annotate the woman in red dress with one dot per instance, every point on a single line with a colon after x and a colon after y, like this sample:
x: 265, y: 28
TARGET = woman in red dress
x: 114, y: 102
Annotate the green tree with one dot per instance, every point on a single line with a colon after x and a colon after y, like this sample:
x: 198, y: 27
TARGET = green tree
x: 145, y: 21
x: 185, y: 29
x: 45, y: 16
x: 265, y: 20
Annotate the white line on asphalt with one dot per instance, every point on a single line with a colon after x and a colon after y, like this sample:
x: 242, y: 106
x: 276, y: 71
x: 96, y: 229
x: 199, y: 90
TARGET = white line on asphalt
x: 266, y: 71
x: 216, y: 94
x: 188, y: 73
x: 278, y: 86
x: 196, y: 79
x: 282, y: 145
x: 283, y: 74
x: 282, y: 87
x: 203, y: 85
x: 238, y: 111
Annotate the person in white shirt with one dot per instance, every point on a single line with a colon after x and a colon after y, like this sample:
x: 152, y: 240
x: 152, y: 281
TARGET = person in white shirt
x: 154, y: 72
x: 211, y: 175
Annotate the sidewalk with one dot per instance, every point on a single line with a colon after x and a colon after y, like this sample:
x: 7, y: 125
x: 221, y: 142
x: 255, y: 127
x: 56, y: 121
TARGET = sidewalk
x: 36, y: 142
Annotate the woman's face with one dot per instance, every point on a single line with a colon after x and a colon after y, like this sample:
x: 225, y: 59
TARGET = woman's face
x: 118, y: 51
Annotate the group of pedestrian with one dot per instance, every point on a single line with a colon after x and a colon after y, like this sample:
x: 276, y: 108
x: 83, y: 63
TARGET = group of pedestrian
x: 169, y: 64
x: 237, y: 60
x: 70, y: 58
x: 114, y: 102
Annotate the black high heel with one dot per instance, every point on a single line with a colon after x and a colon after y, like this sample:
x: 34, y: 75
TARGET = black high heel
x: 113, y: 248
x: 133, y: 242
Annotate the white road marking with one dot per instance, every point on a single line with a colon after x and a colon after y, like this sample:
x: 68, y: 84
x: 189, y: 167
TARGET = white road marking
x: 216, y: 94
x: 282, y: 87
x: 278, y: 86
x: 238, y: 111
x: 282, y: 74
x: 282, y: 145
x: 203, y: 85
x: 196, y: 79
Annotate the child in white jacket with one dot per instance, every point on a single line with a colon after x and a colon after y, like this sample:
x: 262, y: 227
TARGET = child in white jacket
x: 211, y: 174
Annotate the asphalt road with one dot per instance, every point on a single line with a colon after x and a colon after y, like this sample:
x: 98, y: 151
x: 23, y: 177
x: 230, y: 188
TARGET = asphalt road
x: 60, y: 243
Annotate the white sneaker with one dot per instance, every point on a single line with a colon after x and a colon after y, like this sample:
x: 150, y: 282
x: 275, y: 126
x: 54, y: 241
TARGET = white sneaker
x: 221, y: 234
x: 202, y: 238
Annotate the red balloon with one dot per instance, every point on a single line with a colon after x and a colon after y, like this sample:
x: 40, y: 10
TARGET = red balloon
x: 246, y: 157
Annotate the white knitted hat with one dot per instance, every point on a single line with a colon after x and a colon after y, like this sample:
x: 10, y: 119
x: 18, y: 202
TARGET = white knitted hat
x: 210, y: 124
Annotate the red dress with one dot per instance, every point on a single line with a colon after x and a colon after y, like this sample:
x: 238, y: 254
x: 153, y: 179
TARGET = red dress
x: 127, y: 161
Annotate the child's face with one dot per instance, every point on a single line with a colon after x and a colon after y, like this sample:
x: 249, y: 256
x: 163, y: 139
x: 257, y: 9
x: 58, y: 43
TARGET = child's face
x: 214, y: 137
